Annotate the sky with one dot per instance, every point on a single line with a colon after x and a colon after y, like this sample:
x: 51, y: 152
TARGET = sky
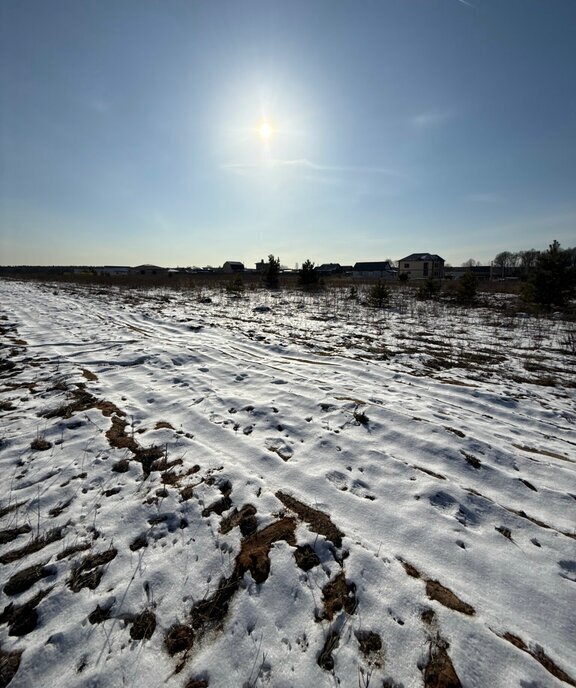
x: 189, y: 132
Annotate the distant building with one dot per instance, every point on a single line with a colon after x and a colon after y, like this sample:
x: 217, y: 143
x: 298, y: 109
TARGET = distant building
x: 481, y: 272
x: 112, y: 270
x: 374, y: 270
x: 327, y: 269
x: 148, y: 269
x: 422, y: 266
x: 233, y: 266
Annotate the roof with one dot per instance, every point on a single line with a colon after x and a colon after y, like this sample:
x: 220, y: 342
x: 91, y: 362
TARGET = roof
x: 422, y: 256
x: 234, y: 262
x: 373, y: 267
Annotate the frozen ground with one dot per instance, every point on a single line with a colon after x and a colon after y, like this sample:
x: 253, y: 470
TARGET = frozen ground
x: 283, y: 490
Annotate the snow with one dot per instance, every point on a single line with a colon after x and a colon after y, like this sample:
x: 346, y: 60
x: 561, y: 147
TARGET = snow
x: 437, y: 440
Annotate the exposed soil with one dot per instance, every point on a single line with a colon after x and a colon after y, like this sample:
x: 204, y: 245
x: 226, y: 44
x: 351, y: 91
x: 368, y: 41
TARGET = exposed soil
x: 73, y: 549
x: 439, y: 671
x: 34, y: 545
x: 338, y: 594
x: 99, y: 615
x: 318, y: 521
x: 245, y: 518
x: 436, y: 591
x: 88, y: 573
x: 306, y: 557
x: 540, y: 656
x: 25, y: 579
x: 143, y: 626
x: 12, y: 533
x: 9, y: 663
x: 22, y: 619
x: 179, y: 638
x: 255, y: 549
x: 82, y: 400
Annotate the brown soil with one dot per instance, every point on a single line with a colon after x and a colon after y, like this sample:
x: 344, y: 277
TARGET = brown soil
x: 338, y: 594
x: 22, y: 619
x: 40, y: 444
x: 89, y: 375
x: 117, y: 437
x: 82, y: 400
x: 35, y: 545
x: 368, y: 642
x: 143, y: 626
x: 88, y: 573
x: 25, y: 579
x: 163, y: 424
x: 255, y: 550
x: 439, y: 671
x: 317, y: 520
x: 412, y: 571
x: 306, y: 557
x: 179, y: 638
x: 196, y: 683
x: 436, y: 591
x: 138, y: 543
x: 187, y: 492
x: 12, y: 533
x: 218, y: 507
x: 9, y: 663
x: 540, y: 656
x: 245, y: 518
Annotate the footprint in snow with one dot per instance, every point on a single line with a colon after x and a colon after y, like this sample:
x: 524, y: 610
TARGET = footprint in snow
x: 278, y: 446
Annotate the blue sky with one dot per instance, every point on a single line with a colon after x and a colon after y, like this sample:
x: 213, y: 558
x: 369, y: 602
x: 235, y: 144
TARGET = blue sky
x: 129, y: 129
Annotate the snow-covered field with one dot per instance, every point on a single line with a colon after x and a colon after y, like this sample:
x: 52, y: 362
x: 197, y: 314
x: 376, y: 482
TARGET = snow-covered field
x: 283, y: 490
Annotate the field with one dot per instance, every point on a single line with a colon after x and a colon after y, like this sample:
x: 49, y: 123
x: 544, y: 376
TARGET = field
x: 202, y: 488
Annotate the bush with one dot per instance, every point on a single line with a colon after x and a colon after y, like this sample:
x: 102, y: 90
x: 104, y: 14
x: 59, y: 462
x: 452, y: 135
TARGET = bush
x: 379, y: 295
x: 236, y: 286
x: 552, y: 282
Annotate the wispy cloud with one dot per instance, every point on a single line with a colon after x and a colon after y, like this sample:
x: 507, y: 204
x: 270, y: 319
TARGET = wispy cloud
x: 309, y: 165
x: 432, y: 118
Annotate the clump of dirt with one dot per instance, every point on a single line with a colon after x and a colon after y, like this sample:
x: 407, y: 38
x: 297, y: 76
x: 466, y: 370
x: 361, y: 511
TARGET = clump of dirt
x: 5, y: 510
x: 9, y: 663
x: 369, y: 642
x: 12, y: 533
x: 218, y: 507
x: 338, y: 594
x: 25, y: 579
x: 99, y: 614
x: 89, y: 375
x: 211, y: 611
x: 22, y: 619
x: 179, y: 638
x: 143, y: 626
x: 254, y: 554
x: 306, y: 557
x: 139, y: 542
x: 58, y: 509
x: 325, y: 659
x: 317, y: 520
x: 88, y: 573
x: 245, y: 518
x: 197, y: 683
x: 187, y: 492
x: 439, y: 671
x: 163, y: 424
x: 436, y: 591
x: 411, y: 570
x: 472, y: 460
x: 117, y: 437
x: 506, y: 532
x: 541, y: 657
x: 121, y: 466
x: 40, y: 444
x: 73, y: 549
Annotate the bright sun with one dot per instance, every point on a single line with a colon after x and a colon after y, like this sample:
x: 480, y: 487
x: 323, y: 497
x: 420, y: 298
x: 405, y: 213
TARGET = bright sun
x: 265, y: 131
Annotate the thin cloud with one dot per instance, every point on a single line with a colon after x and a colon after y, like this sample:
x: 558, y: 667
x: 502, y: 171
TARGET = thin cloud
x: 433, y: 118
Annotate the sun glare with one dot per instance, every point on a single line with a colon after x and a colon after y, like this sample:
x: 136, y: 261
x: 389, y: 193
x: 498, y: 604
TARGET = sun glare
x: 265, y: 131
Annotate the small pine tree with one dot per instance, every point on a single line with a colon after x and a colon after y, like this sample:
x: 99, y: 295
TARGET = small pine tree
x: 308, y: 278
x: 272, y: 273
x: 379, y: 295
x: 428, y: 290
x: 552, y: 282
x: 467, y: 289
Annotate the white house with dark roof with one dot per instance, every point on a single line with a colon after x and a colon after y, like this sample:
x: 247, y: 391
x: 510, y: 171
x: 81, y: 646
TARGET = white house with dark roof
x: 421, y: 266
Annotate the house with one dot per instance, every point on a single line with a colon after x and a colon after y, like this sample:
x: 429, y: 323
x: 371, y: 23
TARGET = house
x: 327, y: 269
x: 232, y: 267
x: 374, y: 270
x: 422, y: 266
